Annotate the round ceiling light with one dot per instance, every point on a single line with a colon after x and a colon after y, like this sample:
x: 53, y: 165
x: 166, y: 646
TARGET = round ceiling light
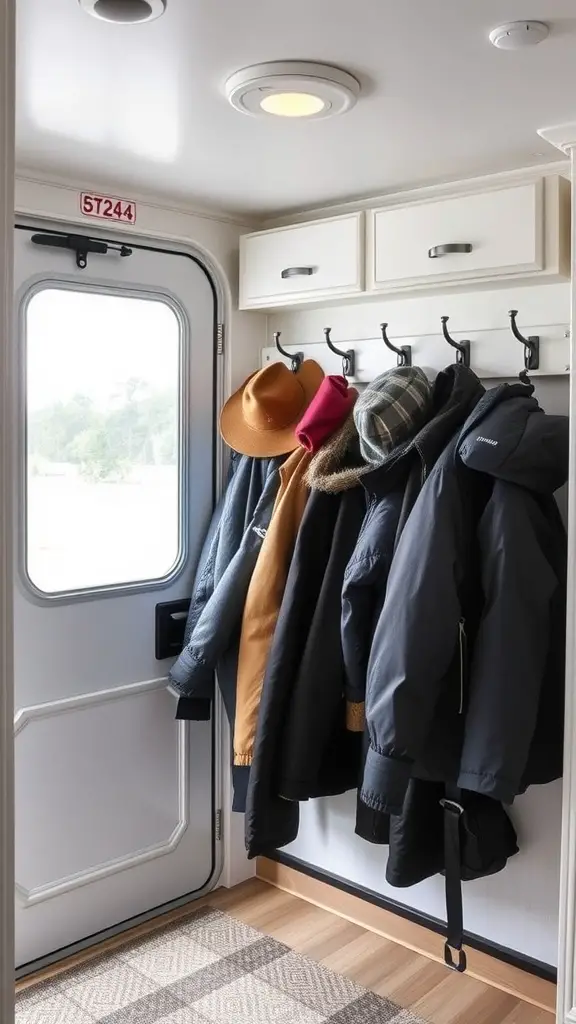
x: 517, y: 35
x: 124, y: 12
x: 294, y: 89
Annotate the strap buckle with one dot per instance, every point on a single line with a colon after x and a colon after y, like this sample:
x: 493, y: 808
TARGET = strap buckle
x: 460, y: 967
x: 451, y: 805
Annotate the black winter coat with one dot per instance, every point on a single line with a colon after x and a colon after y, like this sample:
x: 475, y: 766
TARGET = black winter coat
x: 465, y: 679
x: 392, y: 490
x: 302, y: 747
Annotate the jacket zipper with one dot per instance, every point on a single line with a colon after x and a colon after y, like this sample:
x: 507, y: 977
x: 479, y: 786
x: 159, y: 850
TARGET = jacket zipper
x: 424, y: 467
x: 463, y: 644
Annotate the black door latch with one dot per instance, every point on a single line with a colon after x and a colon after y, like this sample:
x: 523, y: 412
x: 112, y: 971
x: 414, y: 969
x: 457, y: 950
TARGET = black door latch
x: 81, y: 245
x: 171, y: 617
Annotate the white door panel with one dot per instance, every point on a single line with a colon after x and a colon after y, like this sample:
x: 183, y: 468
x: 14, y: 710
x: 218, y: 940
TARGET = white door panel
x: 115, y: 799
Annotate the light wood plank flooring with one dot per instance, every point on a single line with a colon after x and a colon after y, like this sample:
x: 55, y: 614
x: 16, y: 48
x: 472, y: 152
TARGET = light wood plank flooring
x: 411, y: 980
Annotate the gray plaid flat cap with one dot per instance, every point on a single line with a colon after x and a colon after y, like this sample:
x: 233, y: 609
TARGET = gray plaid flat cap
x: 390, y: 410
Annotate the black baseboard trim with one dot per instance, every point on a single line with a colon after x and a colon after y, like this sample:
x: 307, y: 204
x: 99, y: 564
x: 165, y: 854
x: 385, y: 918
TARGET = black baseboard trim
x: 507, y: 956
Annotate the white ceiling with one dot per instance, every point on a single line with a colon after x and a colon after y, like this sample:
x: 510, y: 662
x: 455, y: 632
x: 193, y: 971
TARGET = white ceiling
x: 142, y: 106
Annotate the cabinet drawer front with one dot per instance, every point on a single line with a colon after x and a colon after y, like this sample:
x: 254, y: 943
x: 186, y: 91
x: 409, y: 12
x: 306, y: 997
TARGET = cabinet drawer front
x: 322, y: 257
x: 503, y: 228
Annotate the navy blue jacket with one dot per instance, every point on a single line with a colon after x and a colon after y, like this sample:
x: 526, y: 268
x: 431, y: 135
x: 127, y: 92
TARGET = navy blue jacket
x: 223, y: 575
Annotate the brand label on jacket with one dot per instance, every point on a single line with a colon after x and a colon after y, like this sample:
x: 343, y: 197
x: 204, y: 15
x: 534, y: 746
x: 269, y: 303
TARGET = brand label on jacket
x: 92, y: 204
x: 487, y: 440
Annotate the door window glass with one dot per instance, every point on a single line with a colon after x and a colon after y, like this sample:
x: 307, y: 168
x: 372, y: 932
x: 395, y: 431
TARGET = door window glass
x: 103, y: 439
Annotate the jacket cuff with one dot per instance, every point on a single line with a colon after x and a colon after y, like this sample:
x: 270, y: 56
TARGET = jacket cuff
x: 355, y: 717
x: 385, y: 782
x: 189, y: 677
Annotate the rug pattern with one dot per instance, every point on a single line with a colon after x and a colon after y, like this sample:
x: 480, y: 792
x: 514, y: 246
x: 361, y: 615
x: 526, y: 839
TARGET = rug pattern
x: 208, y: 968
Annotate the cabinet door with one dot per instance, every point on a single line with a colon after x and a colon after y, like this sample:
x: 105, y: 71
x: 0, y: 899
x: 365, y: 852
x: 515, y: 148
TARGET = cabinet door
x: 502, y: 231
x: 296, y: 264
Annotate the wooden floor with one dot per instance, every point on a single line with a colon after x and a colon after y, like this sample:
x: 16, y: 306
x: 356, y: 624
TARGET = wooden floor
x: 412, y: 980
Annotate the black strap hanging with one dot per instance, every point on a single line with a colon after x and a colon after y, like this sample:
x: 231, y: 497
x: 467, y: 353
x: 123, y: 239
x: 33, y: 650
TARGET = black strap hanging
x: 453, y: 811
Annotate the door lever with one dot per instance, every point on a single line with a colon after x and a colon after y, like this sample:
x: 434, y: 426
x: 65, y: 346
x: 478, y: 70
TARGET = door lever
x: 80, y: 244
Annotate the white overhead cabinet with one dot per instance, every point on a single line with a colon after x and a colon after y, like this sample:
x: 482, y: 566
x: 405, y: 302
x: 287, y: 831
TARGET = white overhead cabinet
x: 509, y: 232
x: 521, y: 232
x: 319, y: 260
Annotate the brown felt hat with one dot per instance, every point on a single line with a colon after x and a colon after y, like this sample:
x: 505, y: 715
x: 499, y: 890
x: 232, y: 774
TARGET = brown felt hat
x: 261, y: 417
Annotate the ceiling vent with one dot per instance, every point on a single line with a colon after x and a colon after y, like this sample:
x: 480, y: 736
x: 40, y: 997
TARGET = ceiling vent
x: 292, y: 89
x: 124, y: 12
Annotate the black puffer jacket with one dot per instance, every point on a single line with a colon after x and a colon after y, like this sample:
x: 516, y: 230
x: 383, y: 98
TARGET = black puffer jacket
x: 465, y: 678
x: 391, y: 492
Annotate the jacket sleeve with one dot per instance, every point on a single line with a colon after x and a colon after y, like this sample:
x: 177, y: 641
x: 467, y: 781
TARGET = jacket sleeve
x: 193, y: 673
x: 360, y: 604
x: 363, y: 591
x: 415, y: 639
x: 510, y: 654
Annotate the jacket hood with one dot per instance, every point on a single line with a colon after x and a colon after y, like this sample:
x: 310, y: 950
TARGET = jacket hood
x: 338, y: 465
x: 457, y: 390
x: 509, y: 437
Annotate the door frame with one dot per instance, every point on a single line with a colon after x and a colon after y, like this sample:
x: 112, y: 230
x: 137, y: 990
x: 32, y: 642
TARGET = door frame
x: 30, y: 224
x: 7, y: 110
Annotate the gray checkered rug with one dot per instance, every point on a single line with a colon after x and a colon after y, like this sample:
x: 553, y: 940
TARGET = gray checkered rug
x: 206, y: 969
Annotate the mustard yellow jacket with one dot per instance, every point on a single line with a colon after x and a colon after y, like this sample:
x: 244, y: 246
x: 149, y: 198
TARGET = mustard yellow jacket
x: 264, y: 599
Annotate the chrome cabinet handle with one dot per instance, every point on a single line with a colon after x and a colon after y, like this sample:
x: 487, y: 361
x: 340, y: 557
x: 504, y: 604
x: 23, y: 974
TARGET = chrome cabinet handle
x: 448, y: 249
x: 298, y: 272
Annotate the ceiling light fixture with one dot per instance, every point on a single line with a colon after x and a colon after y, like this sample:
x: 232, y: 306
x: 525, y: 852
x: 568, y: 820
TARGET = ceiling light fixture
x: 124, y: 12
x: 293, y: 89
x: 517, y: 35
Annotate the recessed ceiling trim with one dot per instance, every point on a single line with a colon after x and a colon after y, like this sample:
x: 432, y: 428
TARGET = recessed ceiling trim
x: 292, y: 89
x: 124, y: 12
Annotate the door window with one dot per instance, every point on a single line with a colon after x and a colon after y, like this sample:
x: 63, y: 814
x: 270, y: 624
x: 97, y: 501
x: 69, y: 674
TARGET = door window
x: 103, y: 439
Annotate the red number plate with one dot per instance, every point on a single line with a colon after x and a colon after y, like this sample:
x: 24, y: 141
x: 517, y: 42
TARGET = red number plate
x: 107, y: 207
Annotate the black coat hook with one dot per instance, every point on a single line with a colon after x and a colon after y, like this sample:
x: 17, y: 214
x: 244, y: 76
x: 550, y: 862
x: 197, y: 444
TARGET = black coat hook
x: 404, y: 353
x: 296, y: 360
x: 531, y: 346
x: 462, y: 347
x: 348, y: 358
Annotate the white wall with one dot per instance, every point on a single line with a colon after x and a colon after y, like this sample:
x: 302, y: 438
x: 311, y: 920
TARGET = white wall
x: 517, y: 908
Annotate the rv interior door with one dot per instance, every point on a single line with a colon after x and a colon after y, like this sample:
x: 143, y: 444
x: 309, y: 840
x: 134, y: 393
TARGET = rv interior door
x: 115, y: 433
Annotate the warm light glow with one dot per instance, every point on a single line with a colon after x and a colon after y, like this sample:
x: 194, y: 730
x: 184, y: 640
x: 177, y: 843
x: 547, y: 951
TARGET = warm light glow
x: 292, y: 104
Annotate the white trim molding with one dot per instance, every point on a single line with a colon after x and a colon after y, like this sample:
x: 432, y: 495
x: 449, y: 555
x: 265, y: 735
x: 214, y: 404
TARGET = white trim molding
x: 7, y: 108
x: 563, y: 137
x: 28, y: 715
x: 424, y: 193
